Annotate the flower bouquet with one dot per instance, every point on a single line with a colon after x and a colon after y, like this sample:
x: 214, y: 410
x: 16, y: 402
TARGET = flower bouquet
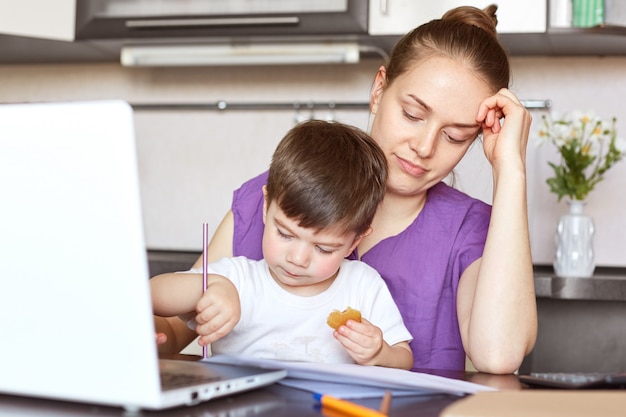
x: 588, y: 147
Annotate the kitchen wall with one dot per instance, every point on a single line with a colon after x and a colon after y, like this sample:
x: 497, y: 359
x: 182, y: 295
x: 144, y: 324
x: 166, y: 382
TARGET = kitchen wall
x: 191, y: 161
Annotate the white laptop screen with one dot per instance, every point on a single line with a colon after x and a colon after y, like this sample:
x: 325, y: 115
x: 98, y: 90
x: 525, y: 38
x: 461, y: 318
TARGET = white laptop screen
x: 74, y: 295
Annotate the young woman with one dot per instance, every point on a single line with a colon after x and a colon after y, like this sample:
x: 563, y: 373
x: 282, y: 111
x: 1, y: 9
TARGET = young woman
x: 459, y: 270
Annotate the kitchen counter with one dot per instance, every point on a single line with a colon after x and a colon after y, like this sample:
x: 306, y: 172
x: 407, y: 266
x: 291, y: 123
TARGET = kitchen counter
x: 607, y: 284
x: 582, y: 326
x: 163, y: 261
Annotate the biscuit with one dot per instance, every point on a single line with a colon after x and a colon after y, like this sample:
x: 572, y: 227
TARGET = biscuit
x: 337, y: 318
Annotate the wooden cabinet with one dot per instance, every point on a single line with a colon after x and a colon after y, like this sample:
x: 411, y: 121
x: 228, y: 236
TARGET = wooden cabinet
x: 396, y: 17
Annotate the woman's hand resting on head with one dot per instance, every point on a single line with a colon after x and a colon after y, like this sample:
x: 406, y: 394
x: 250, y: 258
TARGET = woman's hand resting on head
x: 505, y: 128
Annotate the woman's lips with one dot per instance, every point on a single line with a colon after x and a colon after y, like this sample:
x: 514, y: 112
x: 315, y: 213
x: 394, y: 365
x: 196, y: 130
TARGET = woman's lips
x: 410, y: 168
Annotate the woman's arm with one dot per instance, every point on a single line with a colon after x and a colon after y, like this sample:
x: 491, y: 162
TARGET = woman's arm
x: 176, y: 332
x: 496, y: 295
x: 173, y: 335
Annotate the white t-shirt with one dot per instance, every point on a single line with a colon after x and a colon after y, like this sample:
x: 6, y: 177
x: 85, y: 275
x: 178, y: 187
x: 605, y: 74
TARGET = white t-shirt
x: 276, y: 324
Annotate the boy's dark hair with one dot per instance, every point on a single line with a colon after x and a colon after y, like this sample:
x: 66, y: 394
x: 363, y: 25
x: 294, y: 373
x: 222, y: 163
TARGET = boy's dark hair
x: 326, y: 174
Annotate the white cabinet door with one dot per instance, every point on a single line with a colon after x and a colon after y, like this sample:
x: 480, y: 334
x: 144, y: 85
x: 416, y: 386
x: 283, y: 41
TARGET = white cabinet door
x: 396, y: 17
x: 38, y: 18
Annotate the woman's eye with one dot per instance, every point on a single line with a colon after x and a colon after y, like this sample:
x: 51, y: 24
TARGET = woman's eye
x: 451, y: 139
x: 454, y: 140
x: 410, y: 116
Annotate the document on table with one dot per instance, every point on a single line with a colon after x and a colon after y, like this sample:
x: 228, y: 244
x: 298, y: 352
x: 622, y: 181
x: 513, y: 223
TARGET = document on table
x: 370, y: 381
x: 347, y: 391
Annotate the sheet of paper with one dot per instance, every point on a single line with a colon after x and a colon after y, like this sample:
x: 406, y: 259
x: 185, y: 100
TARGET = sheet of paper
x: 352, y: 374
x: 347, y: 391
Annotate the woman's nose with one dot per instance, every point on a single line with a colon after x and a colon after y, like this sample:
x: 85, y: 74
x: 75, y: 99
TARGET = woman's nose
x: 425, y: 142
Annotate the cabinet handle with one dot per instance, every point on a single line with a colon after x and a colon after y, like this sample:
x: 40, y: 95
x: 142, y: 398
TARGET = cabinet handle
x: 383, y: 6
x: 211, y: 22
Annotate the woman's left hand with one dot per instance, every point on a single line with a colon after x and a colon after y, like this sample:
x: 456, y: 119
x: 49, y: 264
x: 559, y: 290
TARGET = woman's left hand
x: 505, y: 127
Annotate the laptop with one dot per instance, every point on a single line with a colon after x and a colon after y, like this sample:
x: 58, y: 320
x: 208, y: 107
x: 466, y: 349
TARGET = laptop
x: 75, y: 311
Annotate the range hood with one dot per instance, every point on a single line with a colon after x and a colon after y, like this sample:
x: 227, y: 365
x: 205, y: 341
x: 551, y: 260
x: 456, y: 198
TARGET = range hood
x: 215, y: 20
x: 227, y: 32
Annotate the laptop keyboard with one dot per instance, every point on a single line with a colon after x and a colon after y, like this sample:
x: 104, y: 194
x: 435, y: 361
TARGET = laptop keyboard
x: 170, y: 380
x: 575, y: 380
x: 180, y: 373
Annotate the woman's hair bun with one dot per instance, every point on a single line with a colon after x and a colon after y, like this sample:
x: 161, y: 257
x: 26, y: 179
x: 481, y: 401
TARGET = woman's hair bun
x: 483, y: 18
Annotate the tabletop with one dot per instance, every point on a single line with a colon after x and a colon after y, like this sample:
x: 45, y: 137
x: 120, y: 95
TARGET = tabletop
x: 275, y: 400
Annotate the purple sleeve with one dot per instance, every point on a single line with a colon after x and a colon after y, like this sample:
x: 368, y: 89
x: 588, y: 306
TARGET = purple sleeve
x: 247, y: 210
x: 473, y: 235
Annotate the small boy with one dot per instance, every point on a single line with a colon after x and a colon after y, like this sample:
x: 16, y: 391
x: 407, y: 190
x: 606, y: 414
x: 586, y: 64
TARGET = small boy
x: 325, y: 183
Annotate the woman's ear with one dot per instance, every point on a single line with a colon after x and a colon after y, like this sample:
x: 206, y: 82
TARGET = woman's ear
x: 377, y: 89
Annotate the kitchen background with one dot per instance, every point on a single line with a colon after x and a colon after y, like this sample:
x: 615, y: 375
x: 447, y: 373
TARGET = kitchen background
x: 190, y: 161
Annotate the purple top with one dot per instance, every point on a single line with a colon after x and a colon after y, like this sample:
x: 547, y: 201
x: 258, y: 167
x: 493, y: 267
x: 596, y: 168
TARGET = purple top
x: 421, y: 265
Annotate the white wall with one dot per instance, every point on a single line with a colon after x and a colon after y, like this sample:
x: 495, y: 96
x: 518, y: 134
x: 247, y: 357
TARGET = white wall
x: 191, y: 161
x: 597, y: 84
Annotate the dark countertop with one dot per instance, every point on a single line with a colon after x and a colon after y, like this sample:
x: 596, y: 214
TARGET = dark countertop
x: 607, y: 284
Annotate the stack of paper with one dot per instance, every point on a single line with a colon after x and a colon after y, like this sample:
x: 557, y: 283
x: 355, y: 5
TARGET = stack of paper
x: 357, y: 381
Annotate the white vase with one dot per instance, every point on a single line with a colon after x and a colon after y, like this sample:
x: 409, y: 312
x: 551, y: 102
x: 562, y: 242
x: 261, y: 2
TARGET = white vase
x: 574, y: 243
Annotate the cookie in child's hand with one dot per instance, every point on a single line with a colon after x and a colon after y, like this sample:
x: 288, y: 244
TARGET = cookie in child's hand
x: 337, y: 318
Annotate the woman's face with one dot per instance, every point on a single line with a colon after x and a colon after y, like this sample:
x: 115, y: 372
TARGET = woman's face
x: 425, y: 121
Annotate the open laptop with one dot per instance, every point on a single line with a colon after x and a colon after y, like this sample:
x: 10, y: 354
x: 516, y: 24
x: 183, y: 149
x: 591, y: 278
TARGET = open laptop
x: 75, y: 311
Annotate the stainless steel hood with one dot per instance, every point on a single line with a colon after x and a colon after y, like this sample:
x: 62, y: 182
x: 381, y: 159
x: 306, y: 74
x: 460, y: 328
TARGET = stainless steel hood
x: 214, y: 20
x: 221, y: 32
x: 103, y: 28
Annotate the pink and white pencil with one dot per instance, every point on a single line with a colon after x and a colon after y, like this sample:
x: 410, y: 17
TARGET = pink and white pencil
x: 205, y: 262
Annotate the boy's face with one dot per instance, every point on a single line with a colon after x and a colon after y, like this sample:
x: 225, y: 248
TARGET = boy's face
x: 303, y: 261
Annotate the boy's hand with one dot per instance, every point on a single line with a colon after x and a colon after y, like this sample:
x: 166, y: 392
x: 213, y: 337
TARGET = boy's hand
x: 218, y: 310
x: 363, y: 341
x: 365, y: 344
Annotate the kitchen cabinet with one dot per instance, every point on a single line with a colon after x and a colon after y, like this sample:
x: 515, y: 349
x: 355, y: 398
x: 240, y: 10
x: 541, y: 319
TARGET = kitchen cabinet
x: 38, y: 18
x: 396, y: 17
x: 34, y: 31
x: 526, y: 28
